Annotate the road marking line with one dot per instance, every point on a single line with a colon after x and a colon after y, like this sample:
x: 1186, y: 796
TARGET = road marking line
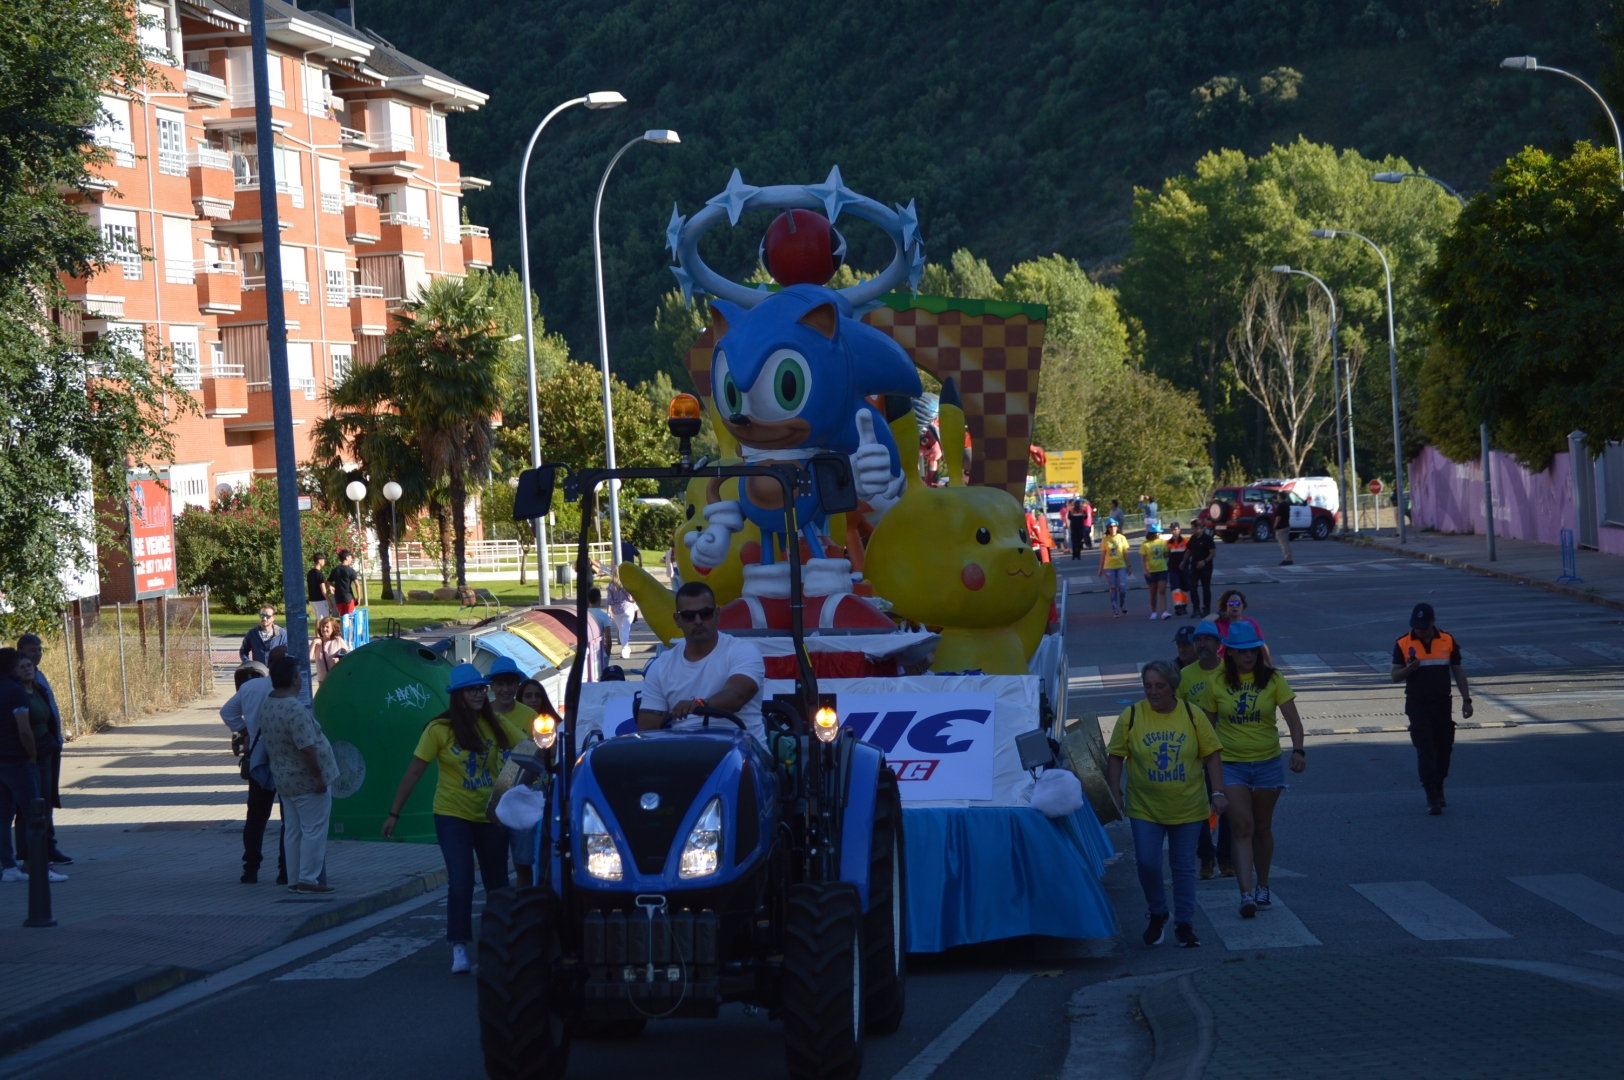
x: 1294, y: 569
x: 1600, y: 980
x: 1378, y: 661
x: 1426, y: 912
x: 1084, y: 680
x: 956, y: 1034
x: 1276, y: 928
x: 1339, y: 568
x: 1608, y: 652
x: 1592, y: 901
x: 361, y: 959
x: 1611, y: 954
x: 1306, y: 664
x: 1380, y: 566
x: 1472, y: 662
x: 1533, y: 654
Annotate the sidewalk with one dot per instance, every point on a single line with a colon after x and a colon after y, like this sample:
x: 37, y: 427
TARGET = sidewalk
x: 152, y: 816
x: 1524, y: 561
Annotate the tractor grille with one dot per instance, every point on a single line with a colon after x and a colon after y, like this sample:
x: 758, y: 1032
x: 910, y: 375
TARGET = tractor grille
x: 673, y: 768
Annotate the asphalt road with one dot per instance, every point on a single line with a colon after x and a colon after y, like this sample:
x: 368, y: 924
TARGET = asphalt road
x: 1362, y: 867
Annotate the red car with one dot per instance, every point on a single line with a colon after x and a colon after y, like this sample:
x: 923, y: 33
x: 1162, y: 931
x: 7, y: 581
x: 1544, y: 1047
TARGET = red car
x: 1249, y: 511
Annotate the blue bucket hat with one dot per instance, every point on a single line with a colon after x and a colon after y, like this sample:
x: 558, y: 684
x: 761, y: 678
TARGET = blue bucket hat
x: 506, y: 665
x: 1207, y: 629
x: 466, y: 677
x: 1243, y: 636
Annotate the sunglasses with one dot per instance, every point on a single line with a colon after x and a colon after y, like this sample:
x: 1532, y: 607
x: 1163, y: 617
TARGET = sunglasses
x: 1236, y: 603
x: 267, y: 616
x: 703, y: 614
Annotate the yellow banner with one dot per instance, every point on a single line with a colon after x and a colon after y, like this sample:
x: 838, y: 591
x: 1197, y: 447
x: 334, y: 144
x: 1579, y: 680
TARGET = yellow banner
x: 1065, y: 467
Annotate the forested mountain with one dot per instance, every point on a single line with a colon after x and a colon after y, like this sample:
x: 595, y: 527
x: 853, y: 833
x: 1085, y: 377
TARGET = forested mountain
x: 1021, y: 127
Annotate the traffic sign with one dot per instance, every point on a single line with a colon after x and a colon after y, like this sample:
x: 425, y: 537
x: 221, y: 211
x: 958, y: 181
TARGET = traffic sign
x: 1375, y: 487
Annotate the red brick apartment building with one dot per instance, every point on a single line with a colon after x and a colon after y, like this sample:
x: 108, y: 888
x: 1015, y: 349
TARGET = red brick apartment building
x: 367, y: 193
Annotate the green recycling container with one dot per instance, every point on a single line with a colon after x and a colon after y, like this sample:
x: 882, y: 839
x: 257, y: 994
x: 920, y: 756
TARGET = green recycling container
x: 373, y: 706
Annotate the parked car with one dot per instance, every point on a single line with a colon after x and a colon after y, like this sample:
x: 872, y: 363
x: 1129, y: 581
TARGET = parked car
x: 1237, y: 512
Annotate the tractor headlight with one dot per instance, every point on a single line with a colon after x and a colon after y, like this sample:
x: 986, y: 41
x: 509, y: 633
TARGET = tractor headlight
x: 702, y: 854
x: 826, y: 724
x: 602, y: 857
x: 545, y: 730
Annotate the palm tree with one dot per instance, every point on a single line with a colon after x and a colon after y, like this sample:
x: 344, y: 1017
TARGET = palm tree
x: 444, y: 370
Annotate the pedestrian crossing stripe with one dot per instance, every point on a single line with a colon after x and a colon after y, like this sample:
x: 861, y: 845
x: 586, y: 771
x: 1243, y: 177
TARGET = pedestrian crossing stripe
x: 1533, y: 654
x: 1428, y: 913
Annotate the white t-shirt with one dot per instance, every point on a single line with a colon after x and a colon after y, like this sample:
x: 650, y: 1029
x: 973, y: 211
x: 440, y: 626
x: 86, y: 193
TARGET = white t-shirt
x: 672, y: 678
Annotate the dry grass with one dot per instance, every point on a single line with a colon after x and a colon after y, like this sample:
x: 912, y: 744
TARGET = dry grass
x: 108, y: 691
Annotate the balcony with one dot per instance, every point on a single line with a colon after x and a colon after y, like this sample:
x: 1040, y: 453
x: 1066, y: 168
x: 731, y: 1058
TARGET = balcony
x: 122, y: 151
x: 369, y: 311
x: 213, y: 186
x: 172, y: 162
x: 205, y: 90
x: 391, y: 141
x: 225, y: 391
x: 476, y: 247
x: 180, y: 271
x: 298, y: 288
x: 404, y: 232
x: 350, y: 139
x: 331, y: 203
x: 219, y: 288
x: 242, y: 97
x: 129, y: 260
x: 361, y: 224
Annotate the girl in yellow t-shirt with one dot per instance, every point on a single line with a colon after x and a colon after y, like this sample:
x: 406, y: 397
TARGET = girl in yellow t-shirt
x: 470, y: 743
x: 1170, y: 753
x: 1114, y: 566
x: 1242, y: 702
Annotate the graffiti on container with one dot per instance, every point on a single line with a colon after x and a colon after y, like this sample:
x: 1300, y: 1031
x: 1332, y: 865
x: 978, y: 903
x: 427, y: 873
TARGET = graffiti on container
x: 410, y: 696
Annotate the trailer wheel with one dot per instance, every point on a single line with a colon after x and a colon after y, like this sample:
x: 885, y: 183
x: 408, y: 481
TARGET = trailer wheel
x: 522, y: 1034
x: 823, y: 982
x: 885, y: 926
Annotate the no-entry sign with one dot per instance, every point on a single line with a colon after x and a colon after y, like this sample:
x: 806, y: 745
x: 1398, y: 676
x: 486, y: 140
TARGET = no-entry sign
x: 1375, y: 487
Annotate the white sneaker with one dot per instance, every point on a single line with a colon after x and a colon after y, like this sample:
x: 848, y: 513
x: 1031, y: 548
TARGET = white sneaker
x: 54, y: 875
x: 459, y: 960
x: 13, y: 873
x: 1154, y: 616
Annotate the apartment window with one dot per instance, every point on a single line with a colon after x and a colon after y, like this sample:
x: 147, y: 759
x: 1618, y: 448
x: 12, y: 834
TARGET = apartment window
x: 338, y: 279
x: 153, y: 31
x: 342, y: 361
x: 389, y: 125
x: 171, y: 144
x: 450, y: 219
x: 240, y: 65
x: 331, y: 186
x: 302, y: 369
x: 437, y: 143
x: 295, y: 272
x: 218, y: 367
x: 189, y: 486
x: 183, y: 346
x: 317, y: 89
x: 179, y: 265
x: 121, y: 240
x: 198, y: 62
x: 417, y: 209
x: 112, y: 131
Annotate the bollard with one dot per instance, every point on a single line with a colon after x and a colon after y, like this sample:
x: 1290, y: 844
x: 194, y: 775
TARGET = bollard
x: 39, y: 867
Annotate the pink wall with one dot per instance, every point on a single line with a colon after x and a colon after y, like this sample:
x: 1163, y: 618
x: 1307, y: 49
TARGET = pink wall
x: 1448, y: 496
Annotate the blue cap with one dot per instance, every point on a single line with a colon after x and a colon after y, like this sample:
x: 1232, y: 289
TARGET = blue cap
x: 1183, y: 635
x: 1207, y: 629
x: 505, y: 665
x: 1243, y: 636
x: 466, y: 677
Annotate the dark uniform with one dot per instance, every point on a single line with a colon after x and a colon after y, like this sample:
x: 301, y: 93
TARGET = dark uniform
x: 1428, y: 704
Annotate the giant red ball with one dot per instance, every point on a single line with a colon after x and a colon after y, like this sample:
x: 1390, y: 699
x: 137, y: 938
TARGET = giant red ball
x: 800, y: 248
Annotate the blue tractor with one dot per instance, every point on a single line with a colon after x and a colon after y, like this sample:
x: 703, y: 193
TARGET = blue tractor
x: 686, y: 869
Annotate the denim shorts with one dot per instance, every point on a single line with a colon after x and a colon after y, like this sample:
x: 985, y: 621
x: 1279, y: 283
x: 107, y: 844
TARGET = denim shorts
x: 1270, y: 773
x: 1153, y: 576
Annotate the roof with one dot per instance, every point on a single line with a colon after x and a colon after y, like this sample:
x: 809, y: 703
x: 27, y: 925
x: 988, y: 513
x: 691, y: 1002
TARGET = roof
x: 412, y: 76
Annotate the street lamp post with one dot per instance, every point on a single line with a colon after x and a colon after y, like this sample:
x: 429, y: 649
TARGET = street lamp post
x: 1392, y: 364
x: 356, y: 491
x: 391, y: 491
x: 602, y: 99
x: 1400, y: 177
x: 1529, y: 63
x: 1336, y: 390
x: 661, y: 137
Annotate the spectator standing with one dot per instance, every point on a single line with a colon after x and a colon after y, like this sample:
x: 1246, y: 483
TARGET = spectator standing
x: 1200, y: 551
x: 1170, y: 754
x: 599, y: 630
x: 470, y: 743
x: 1282, y: 527
x: 19, y: 778
x: 1193, y: 681
x: 260, y: 640
x: 327, y: 649
x: 1088, y: 524
x: 507, y: 683
x: 1115, y: 514
x: 302, y: 761
x: 623, y: 613
x: 1424, y: 660
x: 342, y: 584
x: 1114, y: 566
x: 39, y: 726
x: 1076, y: 528
x: 669, y: 561
x: 629, y: 552
x: 1242, y: 703
x: 49, y: 753
x: 1152, y: 512
x: 241, y: 715
x: 1176, y: 581
x: 1153, y: 560
x: 316, y: 587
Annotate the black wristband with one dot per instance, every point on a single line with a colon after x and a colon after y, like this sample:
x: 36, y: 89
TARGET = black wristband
x: 1299, y: 750
x: 394, y: 813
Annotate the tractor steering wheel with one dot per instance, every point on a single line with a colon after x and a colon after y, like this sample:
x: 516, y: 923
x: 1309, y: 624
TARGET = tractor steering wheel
x: 708, y: 711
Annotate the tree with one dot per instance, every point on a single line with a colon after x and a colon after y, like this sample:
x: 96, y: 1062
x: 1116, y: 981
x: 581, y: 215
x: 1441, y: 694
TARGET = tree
x: 1528, y: 336
x: 73, y: 415
x: 496, y: 506
x: 443, y: 369
x: 572, y: 422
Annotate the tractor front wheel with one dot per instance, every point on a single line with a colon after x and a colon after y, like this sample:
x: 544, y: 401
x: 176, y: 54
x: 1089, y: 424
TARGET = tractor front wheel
x: 523, y: 1036
x: 823, y: 981
x: 885, y: 926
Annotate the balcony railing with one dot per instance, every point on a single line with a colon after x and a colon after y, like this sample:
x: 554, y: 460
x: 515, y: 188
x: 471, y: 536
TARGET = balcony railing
x: 438, y: 150
x: 400, y: 217
x: 223, y: 370
x: 359, y: 198
x: 206, y: 158
x: 131, y: 261
x: 475, y: 230
x: 203, y: 84
x: 242, y: 97
x: 180, y: 271
x: 188, y: 379
x: 361, y: 292
x: 332, y: 204
x: 123, y: 150
x: 172, y: 162
x: 308, y: 386
x: 354, y: 140
x: 283, y: 187
x: 392, y: 140
x: 338, y: 296
x: 302, y: 288
x: 216, y: 266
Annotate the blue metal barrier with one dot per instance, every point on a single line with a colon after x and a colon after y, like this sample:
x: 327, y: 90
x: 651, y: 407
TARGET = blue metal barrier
x: 1570, y: 559
x: 356, y: 629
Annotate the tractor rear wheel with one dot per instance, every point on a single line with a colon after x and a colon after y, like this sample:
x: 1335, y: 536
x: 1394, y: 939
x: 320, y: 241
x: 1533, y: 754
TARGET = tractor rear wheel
x: 885, y: 926
x: 523, y: 1037
x: 823, y: 981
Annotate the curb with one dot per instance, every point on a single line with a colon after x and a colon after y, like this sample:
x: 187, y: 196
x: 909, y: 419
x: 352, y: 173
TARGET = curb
x: 1461, y: 564
x: 116, y: 995
x: 1183, y: 1028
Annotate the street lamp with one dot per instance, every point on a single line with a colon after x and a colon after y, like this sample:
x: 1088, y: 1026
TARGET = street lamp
x: 391, y: 491
x: 1392, y: 365
x: 601, y: 99
x: 1400, y: 177
x: 661, y: 137
x: 356, y: 491
x: 1529, y: 63
x: 1336, y: 390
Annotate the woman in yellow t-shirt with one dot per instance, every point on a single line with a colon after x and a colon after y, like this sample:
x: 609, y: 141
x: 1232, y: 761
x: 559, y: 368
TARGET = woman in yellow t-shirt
x: 1153, y: 556
x: 470, y: 743
x: 1241, y: 704
x: 1114, y: 566
x: 1164, y: 745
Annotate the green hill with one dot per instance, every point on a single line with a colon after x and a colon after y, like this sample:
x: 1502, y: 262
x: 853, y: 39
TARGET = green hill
x: 1021, y: 127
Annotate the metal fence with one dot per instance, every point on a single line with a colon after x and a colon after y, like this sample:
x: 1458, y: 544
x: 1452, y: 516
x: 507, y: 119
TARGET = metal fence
x: 491, y: 560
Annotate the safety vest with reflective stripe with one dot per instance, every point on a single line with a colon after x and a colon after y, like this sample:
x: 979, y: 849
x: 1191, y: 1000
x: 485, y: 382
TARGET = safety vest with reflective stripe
x: 1432, y: 680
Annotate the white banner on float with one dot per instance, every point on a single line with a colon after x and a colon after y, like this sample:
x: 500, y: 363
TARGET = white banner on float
x: 941, y: 745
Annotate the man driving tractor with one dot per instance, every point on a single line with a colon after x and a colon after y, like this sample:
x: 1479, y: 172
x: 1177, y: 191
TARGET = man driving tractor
x: 710, y: 668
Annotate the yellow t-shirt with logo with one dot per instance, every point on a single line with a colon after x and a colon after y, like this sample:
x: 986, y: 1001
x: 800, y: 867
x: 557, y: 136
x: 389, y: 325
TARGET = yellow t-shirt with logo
x: 1153, y: 553
x: 1193, y: 681
x: 466, y: 778
x: 1163, y: 769
x: 1245, y: 716
x: 1116, y: 552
